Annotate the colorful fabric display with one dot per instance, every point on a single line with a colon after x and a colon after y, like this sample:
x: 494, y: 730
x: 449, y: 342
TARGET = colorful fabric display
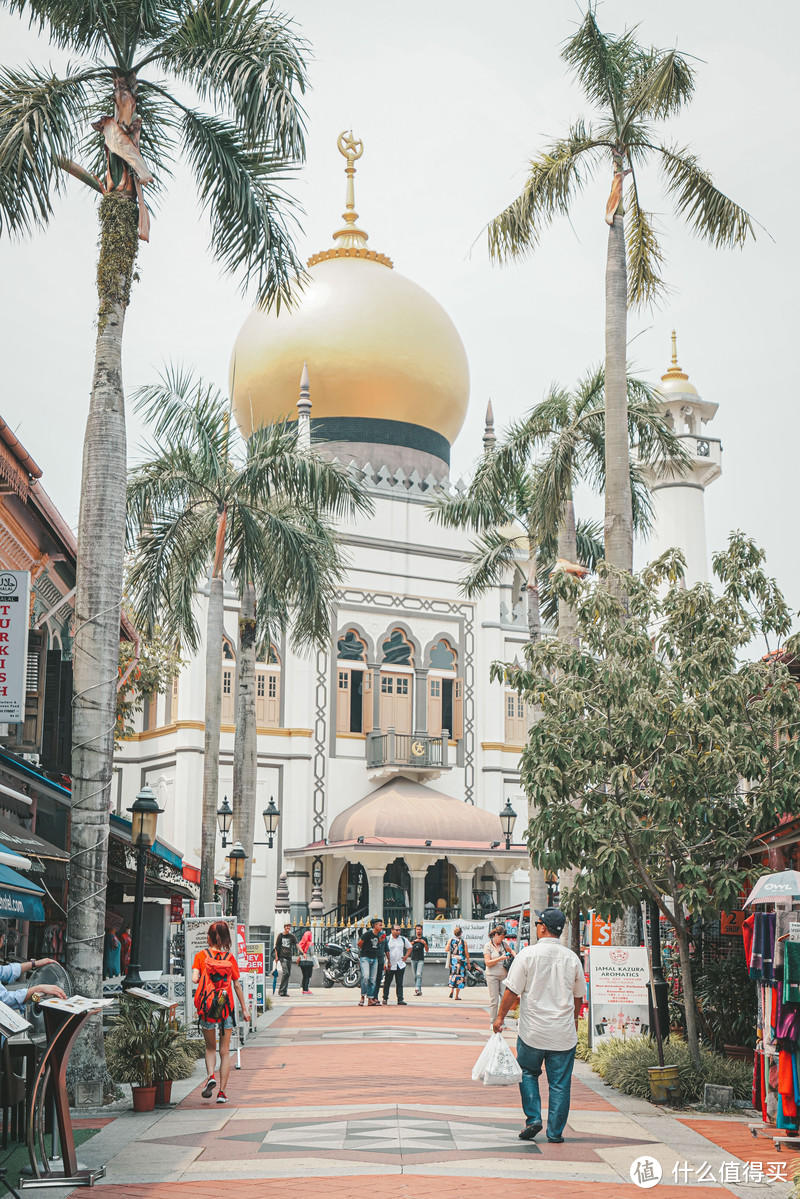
x: 791, y: 971
x: 747, y: 939
x: 761, y: 962
x: 787, y: 1019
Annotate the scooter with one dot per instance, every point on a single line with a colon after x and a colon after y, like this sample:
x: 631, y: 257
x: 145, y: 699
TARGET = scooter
x: 340, y: 965
x: 476, y: 976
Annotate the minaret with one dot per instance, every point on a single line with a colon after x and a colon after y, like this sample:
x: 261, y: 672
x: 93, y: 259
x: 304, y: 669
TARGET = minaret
x: 489, y: 437
x: 304, y: 411
x: 679, y: 498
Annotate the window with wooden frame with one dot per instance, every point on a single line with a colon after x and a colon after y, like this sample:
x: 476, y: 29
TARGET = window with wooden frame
x: 445, y: 692
x: 228, y: 682
x: 150, y: 713
x: 171, y: 701
x: 351, y: 674
x: 268, y: 689
x: 516, y: 719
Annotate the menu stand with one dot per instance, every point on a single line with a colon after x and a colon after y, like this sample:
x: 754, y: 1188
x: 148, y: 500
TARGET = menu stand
x: 63, y: 1020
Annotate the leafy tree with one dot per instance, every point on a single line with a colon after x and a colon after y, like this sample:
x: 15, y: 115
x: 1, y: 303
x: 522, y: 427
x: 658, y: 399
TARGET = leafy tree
x: 116, y: 123
x: 146, y: 668
x: 259, y: 511
x: 632, y: 88
x: 673, y: 739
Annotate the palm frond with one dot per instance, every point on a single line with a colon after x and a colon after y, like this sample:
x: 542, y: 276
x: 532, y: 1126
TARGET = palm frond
x: 250, y: 212
x: 246, y: 57
x: 188, y: 415
x: 589, y: 538
x: 663, y: 82
x: 641, y: 502
x: 40, y: 120
x: 600, y: 62
x: 656, y: 442
x: 486, y: 502
x: 275, y: 465
x: 69, y: 24
x: 645, y: 257
x: 160, y: 115
x: 555, y: 176
x: 492, y: 554
x: 712, y: 214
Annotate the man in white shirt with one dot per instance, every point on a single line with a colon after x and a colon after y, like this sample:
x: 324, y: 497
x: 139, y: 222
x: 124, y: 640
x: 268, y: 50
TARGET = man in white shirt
x: 547, y: 981
x: 398, y: 948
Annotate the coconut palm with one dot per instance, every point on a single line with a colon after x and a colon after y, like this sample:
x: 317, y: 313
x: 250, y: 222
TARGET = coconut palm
x: 632, y: 88
x: 521, y: 503
x: 116, y: 121
x: 258, y: 510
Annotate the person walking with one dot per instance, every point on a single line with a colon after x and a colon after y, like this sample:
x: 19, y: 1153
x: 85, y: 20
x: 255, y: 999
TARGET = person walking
x: 216, y: 973
x: 398, y: 949
x: 285, y: 949
x: 376, y: 994
x: 419, y: 947
x: 497, y: 957
x: 457, y: 962
x: 547, y: 981
x: 369, y: 948
x: 305, y: 959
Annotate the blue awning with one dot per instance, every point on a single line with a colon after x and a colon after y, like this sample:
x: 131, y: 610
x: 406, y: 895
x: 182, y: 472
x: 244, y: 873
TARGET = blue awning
x: 20, y: 899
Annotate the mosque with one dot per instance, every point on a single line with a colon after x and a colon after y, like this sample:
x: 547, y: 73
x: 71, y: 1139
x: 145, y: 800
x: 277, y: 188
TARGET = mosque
x: 389, y: 754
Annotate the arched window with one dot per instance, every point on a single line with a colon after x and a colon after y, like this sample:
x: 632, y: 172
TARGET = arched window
x: 445, y: 691
x: 171, y: 701
x: 352, y: 684
x: 228, y: 681
x: 396, y: 682
x: 268, y: 688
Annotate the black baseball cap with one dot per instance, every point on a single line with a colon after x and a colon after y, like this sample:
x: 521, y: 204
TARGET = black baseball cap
x: 553, y: 919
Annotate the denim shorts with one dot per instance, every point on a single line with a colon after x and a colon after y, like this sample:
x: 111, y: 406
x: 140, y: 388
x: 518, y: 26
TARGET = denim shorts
x: 223, y: 1025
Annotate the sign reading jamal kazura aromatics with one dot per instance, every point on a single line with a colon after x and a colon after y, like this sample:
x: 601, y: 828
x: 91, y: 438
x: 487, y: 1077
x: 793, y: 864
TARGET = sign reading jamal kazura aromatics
x: 15, y: 587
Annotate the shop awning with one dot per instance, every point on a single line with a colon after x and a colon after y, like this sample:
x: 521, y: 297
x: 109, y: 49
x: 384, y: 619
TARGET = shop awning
x: 20, y: 840
x: 20, y: 899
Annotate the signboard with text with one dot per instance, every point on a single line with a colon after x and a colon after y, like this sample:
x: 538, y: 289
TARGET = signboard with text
x: 618, y: 991
x: 256, y: 959
x: 601, y: 930
x: 15, y: 587
x: 439, y: 932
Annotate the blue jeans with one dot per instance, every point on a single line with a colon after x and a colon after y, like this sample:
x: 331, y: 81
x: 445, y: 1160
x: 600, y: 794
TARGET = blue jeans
x: 418, y: 973
x: 369, y: 972
x: 558, y: 1063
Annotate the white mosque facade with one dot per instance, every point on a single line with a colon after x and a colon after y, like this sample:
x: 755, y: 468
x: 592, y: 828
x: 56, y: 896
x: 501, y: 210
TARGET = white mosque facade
x: 388, y: 753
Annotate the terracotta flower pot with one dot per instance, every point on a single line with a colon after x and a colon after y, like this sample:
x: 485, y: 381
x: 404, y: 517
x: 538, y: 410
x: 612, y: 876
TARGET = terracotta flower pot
x: 144, y: 1098
x: 163, y: 1091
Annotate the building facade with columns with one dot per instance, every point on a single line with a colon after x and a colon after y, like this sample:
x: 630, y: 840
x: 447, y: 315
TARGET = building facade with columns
x: 388, y: 752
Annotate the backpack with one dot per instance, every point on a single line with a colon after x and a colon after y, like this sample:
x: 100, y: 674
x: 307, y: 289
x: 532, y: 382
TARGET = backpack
x: 212, y: 998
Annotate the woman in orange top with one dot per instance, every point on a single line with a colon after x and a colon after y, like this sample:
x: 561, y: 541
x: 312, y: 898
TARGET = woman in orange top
x: 219, y: 960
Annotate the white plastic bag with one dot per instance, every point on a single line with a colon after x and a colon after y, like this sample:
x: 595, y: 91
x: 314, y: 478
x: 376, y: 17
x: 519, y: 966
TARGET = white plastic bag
x: 496, y: 1064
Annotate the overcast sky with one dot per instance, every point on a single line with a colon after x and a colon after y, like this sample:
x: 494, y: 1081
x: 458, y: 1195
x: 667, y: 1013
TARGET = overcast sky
x: 451, y: 98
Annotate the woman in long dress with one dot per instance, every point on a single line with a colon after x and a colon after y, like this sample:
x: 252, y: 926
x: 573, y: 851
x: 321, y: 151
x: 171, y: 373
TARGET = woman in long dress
x: 457, y: 960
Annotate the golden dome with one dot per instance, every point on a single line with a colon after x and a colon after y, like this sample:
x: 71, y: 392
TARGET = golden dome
x: 378, y: 347
x: 676, y: 381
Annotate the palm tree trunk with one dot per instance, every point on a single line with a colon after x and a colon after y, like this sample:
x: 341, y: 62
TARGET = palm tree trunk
x: 213, y: 720
x: 618, y: 514
x: 101, y: 544
x: 532, y: 593
x: 568, y: 550
x: 538, y: 887
x: 245, y: 765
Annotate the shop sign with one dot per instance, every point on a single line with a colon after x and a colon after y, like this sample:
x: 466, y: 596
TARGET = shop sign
x: 175, y: 909
x: 241, y: 948
x: 439, y: 932
x: 618, y: 992
x: 256, y: 959
x: 601, y: 930
x: 15, y: 587
x: 730, y: 923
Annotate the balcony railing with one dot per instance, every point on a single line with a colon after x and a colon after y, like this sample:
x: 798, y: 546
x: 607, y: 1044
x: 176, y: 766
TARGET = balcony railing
x: 407, y: 749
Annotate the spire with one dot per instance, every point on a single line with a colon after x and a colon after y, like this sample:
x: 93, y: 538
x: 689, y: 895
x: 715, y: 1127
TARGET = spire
x: 489, y: 438
x: 674, y: 371
x: 351, y: 242
x: 304, y: 411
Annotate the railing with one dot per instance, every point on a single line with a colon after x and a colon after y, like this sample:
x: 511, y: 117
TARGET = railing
x: 407, y: 749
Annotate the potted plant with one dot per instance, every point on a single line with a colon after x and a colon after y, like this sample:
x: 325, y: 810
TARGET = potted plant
x: 130, y: 1051
x: 173, y: 1057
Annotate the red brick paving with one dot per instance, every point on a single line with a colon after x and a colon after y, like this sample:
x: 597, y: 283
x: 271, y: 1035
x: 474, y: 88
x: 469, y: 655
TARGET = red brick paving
x: 304, y: 1075
x: 399, y: 1186
x: 736, y: 1139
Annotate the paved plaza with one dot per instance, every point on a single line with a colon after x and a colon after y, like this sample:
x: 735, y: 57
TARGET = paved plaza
x: 343, y: 1097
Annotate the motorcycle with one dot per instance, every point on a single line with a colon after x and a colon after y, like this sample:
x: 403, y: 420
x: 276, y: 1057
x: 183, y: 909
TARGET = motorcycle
x: 476, y: 976
x: 340, y: 964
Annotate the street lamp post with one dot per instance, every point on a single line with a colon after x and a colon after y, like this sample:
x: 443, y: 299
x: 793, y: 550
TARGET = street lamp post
x: 236, y: 860
x: 144, y: 819
x: 272, y: 817
x: 508, y: 818
x: 224, y: 818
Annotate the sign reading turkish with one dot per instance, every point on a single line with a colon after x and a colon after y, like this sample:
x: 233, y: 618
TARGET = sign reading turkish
x: 618, y: 979
x: 15, y: 587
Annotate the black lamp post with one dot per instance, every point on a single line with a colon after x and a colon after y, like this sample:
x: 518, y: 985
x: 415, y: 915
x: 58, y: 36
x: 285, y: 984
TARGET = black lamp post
x: 272, y: 817
x: 224, y: 818
x: 144, y: 819
x: 236, y: 860
x: 508, y: 818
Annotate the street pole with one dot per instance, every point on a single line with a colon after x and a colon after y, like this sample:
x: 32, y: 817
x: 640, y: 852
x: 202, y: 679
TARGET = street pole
x: 235, y: 900
x: 133, y: 977
x: 660, y: 984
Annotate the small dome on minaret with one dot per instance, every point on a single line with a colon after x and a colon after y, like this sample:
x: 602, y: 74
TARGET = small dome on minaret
x: 676, y: 380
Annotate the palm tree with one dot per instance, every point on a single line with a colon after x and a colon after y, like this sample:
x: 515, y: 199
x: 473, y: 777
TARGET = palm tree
x: 632, y: 87
x: 114, y: 122
x: 262, y: 511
